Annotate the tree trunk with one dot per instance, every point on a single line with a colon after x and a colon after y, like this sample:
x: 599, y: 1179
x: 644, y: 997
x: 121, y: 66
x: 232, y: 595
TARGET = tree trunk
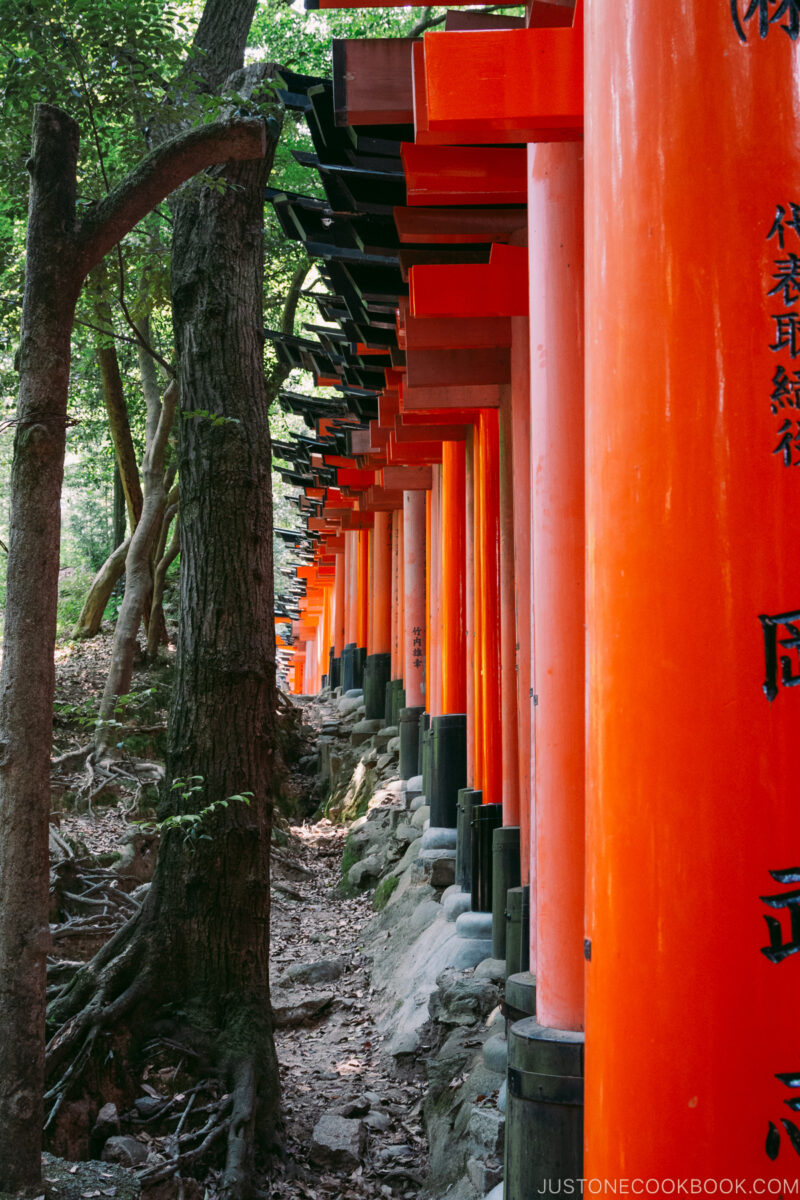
x: 59, y: 256
x: 222, y: 721
x: 119, y: 511
x: 118, y: 421
x: 27, y: 679
x: 166, y: 558
x: 138, y: 577
x: 112, y: 570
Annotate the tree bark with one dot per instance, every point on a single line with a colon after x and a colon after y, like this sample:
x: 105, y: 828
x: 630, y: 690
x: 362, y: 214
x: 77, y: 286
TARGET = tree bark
x: 165, y: 560
x: 119, y: 511
x: 59, y: 255
x: 27, y: 680
x: 118, y: 420
x: 112, y: 570
x: 138, y: 576
x: 222, y: 721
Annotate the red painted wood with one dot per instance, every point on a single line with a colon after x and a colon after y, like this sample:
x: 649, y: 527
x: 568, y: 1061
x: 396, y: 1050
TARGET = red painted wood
x: 470, y: 175
x: 458, y: 225
x: 496, y: 289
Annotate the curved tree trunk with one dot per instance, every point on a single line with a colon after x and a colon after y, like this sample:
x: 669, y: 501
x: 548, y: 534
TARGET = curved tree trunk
x: 138, y: 577
x: 118, y: 420
x: 112, y: 570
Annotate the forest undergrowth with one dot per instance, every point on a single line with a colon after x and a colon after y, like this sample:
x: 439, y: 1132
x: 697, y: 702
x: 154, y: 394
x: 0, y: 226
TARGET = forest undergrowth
x: 103, y: 848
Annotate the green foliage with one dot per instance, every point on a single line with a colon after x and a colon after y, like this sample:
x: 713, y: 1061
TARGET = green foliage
x: 383, y: 891
x: 213, y: 418
x: 191, y: 823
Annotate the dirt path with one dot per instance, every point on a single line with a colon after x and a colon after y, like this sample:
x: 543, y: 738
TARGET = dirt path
x: 335, y: 1063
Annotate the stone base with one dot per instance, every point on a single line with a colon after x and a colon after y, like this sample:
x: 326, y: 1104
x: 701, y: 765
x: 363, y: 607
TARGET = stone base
x: 438, y: 838
x: 456, y: 903
x: 474, y: 925
x: 439, y: 867
x: 384, y: 734
x: 497, y: 1193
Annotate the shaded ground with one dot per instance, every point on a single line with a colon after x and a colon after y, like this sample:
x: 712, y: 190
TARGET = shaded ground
x: 332, y: 1061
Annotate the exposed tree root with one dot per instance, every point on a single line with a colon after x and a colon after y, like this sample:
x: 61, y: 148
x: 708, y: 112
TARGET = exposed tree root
x: 120, y: 991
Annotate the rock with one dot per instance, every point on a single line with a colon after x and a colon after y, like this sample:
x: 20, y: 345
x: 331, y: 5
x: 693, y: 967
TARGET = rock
x: 379, y: 1121
x: 384, y: 761
x: 492, y: 968
x: 440, y: 868
x: 436, y: 837
x: 347, y: 705
x: 486, y: 1132
x: 353, y: 1108
x: 474, y: 925
x: 106, y: 1125
x: 125, y: 1151
x: 405, y: 1042
x: 148, y: 1106
x: 337, y: 1141
x: 288, y: 1016
x: 484, y: 1175
x: 501, y: 1096
x: 393, y: 746
x: 462, y: 999
x: 370, y: 758
x: 455, y: 902
x: 365, y: 873
x: 495, y: 1054
x: 421, y: 813
x: 362, y: 730
x: 325, y: 970
x: 406, y: 834
x: 385, y: 735
x: 373, y: 1098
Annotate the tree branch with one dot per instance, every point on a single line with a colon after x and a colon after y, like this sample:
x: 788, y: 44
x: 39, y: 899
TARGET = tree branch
x: 279, y: 374
x: 168, y: 166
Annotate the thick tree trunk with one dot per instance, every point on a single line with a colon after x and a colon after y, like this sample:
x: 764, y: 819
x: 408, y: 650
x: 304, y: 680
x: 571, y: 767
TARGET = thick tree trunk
x: 27, y: 679
x: 222, y: 721
x: 59, y: 256
x: 138, y: 576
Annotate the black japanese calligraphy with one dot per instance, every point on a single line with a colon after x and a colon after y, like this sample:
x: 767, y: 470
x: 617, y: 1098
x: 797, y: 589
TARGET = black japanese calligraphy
x: 778, y: 949
x: 789, y: 677
x: 764, y: 14
x: 790, y: 1079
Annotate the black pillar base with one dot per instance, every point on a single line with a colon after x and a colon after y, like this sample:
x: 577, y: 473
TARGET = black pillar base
x: 544, y: 1110
x: 394, y: 692
x: 377, y: 669
x: 352, y: 666
x: 485, y: 819
x: 348, y: 667
x: 408, y: 724
x: 425, y: 753
x: 518, y: 931
x: 467, y: 798
x: 506, y: 873
x: 448, y: 768
x: 334, y: 671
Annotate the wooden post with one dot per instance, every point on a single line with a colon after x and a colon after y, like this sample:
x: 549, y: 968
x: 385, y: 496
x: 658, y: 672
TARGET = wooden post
x: 414, y: 596
x: 693, y: 236
x: 453, y: 652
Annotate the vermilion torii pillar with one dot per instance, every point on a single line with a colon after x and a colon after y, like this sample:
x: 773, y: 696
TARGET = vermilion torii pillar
x: 414, y: 588
x: 555, y: 216
x: 693, y: 342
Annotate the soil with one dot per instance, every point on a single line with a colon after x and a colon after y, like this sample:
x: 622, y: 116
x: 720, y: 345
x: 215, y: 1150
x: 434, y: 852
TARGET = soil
x: 331, y: 1057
